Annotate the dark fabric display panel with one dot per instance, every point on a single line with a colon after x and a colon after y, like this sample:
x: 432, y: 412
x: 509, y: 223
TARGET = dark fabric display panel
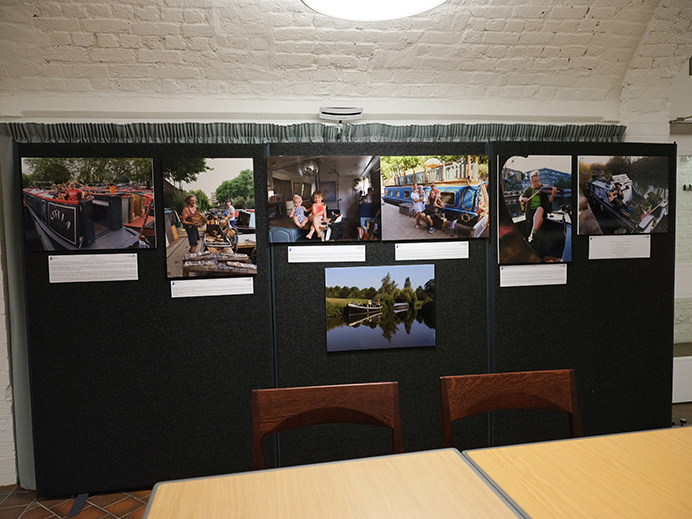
x: 301, y: 349
x: 612, y: 322
x: 130, y: 386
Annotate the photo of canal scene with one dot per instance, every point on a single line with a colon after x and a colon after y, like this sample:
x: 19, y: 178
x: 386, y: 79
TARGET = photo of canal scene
x: 88, y: 203
x: 433, y: 197
x: 380, y: 307
x: 535, y: 210
x: 209, y: 206
x: 623, y: 195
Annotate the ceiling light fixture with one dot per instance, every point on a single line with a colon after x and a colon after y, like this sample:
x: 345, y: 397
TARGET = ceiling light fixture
x: 371, y: 10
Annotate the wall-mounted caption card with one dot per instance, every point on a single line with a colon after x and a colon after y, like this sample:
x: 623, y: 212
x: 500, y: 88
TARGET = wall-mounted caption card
x: 212, y: 287
x: 92, y: 267
x: 431, y: 251
x: 325, y: 253
x: 620, y: 247
x: 533, y: 275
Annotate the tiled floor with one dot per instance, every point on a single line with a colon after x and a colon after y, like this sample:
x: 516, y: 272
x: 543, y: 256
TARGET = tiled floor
x: 17, y: 503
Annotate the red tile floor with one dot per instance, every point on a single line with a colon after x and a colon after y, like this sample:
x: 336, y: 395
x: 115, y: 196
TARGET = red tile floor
x: 17, y: 503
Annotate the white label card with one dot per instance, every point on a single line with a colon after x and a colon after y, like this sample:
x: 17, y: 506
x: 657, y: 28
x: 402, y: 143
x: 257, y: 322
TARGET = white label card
x: 432, y: 250
x: 83, y: 268
x: 212, y: 287
x: 533, y: 275
x: 620, y: 247
x: 325, y: 253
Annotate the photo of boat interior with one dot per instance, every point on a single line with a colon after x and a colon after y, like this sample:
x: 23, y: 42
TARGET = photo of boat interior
x: 349, y: 186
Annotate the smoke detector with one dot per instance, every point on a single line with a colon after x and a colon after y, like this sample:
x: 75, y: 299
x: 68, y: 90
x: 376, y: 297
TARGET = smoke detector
x: 340, y: 113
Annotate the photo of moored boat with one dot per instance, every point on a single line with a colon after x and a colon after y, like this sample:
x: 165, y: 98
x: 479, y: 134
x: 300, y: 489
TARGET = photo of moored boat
x: 88, y: 203
x: 535, y: 215
x: 623, y: 195
x: 458, y: 207
x: 380, y: 307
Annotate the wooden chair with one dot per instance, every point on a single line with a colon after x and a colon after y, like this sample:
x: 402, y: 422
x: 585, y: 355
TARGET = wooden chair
x: 276, y: 410
x: 468, y: 395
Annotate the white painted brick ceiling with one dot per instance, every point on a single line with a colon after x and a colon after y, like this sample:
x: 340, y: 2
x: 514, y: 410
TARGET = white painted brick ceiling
x: 272, y: 50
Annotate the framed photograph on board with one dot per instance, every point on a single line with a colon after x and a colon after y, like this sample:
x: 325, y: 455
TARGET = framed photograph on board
x: 210, y: 217
x: 535, y: 215
x: 88, y: 203
x: 390, y: 306
x: 324, y: 198
x: 434, y: 197
x: 623, y: 195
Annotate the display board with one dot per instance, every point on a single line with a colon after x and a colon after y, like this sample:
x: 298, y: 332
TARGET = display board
x: 129, y: 385
x: 142, y: 359
x: 301, y: 330
x: 612, y: 320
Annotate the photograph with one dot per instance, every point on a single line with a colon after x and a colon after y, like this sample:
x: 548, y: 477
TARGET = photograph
x: 535, y: 210
x: 209, y: 207
x: 371, y: 308
x: 89, y: 203
x: 434, y: 197
x: 623, y: 195
x: 323, y: 199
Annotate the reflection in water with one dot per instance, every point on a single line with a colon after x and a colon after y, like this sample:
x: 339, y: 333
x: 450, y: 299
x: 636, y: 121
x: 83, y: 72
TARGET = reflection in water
x: 383, y: 330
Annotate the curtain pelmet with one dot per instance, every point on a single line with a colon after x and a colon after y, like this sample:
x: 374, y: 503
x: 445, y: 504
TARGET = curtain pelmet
x: 255, y: 133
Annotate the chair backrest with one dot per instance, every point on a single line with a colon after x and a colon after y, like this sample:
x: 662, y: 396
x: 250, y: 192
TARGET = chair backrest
x: 468, y: 395
x: 275, y: 410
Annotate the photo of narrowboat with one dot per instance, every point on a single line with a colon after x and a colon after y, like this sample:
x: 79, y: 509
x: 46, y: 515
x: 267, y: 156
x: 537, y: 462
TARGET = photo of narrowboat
x: 459, y: 184
x: 377, y: 307
x: 623, y: 195
x: 88, y: 203
x: 101, y: 221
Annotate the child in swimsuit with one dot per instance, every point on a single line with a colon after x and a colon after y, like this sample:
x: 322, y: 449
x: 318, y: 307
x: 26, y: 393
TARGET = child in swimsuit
x: 319, y: 213
x: 301, y: 220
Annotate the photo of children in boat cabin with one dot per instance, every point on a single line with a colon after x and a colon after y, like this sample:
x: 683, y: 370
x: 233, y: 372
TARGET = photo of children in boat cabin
x: 323, y: 199
x: 434, y: 197
x: 88, y: 203
x: 209, y: 207
x: 623, y: 195
x: 535, y: 218
x: 390, y: 306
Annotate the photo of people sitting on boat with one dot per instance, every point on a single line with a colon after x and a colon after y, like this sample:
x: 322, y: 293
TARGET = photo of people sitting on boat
x: 434, y: 197
x: 209, y: 207
x: 380, y: 307
x: 88, y: 203
x: 535, y: 210
x: 323, y: 199
x: 623, y: 195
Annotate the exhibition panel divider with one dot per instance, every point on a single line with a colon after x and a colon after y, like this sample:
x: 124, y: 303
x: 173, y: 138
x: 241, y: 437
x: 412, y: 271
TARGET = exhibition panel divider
x: 130, y: 384
x: 325, y: 331
x: 611, y: 319
x: 151, y: 318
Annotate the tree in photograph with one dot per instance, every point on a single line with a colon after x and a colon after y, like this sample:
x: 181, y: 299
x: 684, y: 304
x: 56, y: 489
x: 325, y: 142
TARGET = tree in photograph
x: 90, y: 171
x: 388, y: 285
x: 49, y: 170
x: 241, y: 186
x: 618, y: 165
x: 393, y: 166
x: 183, y: 169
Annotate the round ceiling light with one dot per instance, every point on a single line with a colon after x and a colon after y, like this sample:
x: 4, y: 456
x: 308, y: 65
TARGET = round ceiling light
x: 371, y: 10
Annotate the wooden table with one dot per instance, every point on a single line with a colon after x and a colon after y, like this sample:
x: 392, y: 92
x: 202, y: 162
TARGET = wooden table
x: 645, y: 474
x: 432, y: 484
